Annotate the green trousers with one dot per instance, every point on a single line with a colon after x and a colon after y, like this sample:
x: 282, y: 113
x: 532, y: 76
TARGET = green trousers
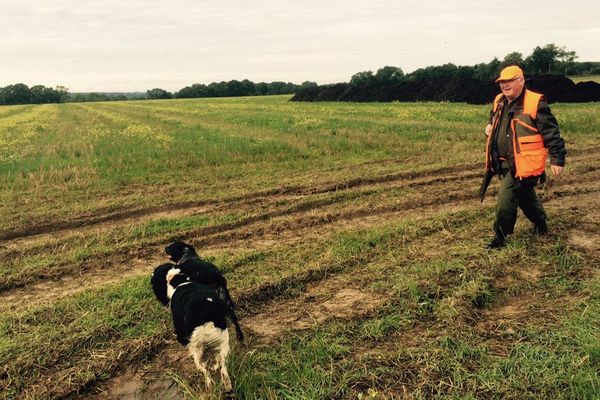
x: 512, y: 197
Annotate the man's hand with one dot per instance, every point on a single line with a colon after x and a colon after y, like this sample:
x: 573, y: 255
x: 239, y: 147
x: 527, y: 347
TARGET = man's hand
x: 557, y: 169
x: 488, y: 130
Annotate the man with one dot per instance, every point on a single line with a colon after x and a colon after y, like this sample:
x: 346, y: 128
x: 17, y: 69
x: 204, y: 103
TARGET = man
x: 521, y: 133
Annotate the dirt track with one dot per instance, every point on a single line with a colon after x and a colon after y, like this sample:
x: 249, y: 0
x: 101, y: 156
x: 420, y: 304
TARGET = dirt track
x: 292, y: 214
x: 282, y: 215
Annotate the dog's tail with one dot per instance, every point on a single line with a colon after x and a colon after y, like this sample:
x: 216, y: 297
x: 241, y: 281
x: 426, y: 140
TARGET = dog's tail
x: 208, y: 336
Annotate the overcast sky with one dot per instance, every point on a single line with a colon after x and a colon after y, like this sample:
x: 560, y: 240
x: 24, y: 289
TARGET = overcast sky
x: 135, y: 45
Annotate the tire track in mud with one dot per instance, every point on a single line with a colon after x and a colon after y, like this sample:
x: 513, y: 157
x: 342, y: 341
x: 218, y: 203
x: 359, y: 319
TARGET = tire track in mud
x: 44, y: 289
x: 498, y: 325
x: 279, y: 210
x: 229, y: 234
x: 257, y: 232
x: 16, y: 248
x: 226, y: 203
x: 248, y: 302
x: 277, y: 204
x: 210, y: 205
x: 256, y: 301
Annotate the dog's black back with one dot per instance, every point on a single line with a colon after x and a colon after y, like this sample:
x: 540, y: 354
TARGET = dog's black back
x: 193, y: 305
x: 199, y: 270
x: 159, y: 282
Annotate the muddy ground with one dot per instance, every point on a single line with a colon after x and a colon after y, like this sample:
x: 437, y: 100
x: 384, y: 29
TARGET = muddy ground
x: 289, y: 215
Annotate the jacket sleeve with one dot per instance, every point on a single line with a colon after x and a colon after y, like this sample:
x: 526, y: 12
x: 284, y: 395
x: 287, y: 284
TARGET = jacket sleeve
x: 548, y: 127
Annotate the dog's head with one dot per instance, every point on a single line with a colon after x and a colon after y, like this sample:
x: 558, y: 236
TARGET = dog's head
x: 179, y: 249
x: 159, y: 282
x: 173, y: 279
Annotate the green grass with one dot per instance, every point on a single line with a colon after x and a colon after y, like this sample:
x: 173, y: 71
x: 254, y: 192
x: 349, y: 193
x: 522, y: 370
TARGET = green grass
x: 83, y: 338
x: 441, y: 331
x: 450, y: 359
x: 445, y: 358
x: 585, y: 78
x: 108, y: 320
x: 82, y: 157
x: 54, y: 258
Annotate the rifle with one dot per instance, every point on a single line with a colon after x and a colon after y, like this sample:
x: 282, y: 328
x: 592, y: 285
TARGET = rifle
x: 487, y: 177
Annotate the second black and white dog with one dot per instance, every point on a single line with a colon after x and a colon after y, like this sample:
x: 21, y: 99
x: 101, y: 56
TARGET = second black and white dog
x: 199, y: 270
x: 200, y: 320
x: 196, y: 270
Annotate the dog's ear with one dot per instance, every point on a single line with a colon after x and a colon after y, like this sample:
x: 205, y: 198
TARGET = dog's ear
x: 159, y: 283
x: 190, y: 250
x: 175, y: 250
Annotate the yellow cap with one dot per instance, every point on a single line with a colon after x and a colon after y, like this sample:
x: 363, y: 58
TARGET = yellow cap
x: 509, y: 73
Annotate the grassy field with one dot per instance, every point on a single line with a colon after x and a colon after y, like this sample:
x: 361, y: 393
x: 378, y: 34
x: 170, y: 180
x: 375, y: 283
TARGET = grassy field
x: 351, y: 236
x: 585, y: 78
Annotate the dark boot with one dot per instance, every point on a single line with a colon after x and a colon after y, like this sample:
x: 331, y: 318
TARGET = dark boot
x: 540, y: 229
x: 496, y: 243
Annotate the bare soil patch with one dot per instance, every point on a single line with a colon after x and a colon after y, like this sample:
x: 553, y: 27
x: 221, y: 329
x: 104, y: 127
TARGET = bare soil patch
x: 152, y: 381
x: 337, y: 297
x: 589, y: 241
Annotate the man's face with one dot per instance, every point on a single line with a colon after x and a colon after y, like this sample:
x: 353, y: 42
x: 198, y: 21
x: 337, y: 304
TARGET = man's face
x: 513, y: 88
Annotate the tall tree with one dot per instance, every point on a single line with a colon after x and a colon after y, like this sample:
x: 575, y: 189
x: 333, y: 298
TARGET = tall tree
x: 566, y: 59
x: 514, y: 58
x: 308, y: 84
x: 489, y: 71
x: 542, y: 59
x: 158, y: 93
x: 16, y: 94
x: 389, y: 74
x: 362, y: 78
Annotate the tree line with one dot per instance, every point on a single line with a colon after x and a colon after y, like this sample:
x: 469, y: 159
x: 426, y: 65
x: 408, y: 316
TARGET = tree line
x: 549, y: 59
x: 544, y: 69
x: 232, y: 88
x: 38, y: 94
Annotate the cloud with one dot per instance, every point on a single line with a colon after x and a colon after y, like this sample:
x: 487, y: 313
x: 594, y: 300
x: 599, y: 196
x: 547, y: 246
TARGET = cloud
x: 92, y: 45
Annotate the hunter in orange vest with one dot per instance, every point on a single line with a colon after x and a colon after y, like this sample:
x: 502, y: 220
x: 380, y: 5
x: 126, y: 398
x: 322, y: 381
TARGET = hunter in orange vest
x: 521, y: 134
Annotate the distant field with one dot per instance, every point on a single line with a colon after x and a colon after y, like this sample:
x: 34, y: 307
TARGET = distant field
x: 351, y: 236
x: 594, y: 78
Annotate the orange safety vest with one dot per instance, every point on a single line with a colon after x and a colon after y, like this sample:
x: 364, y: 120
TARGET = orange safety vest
x: 529, y: 151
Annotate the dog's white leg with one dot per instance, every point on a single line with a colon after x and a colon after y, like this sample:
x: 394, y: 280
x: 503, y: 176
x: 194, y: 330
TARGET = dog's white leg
x: 196, y: 351
x: 223, y: 352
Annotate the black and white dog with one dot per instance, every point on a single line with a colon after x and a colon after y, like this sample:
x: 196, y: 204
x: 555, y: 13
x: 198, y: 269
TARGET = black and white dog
x: 200, y: 271
x: 200, y: 320
x: 196, y: 270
